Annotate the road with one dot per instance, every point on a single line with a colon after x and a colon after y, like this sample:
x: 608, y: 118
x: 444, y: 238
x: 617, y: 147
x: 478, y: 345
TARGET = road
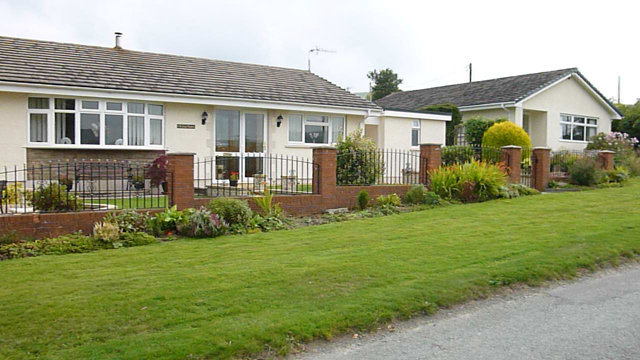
x: 597, y: 317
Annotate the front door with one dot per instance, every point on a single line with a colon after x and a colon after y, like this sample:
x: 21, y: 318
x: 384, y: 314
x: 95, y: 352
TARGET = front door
x: 240, y: 144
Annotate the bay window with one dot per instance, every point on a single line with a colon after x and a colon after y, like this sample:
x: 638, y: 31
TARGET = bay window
x: 315, y: 129
x: 94, y: 123
x: 578, y: 128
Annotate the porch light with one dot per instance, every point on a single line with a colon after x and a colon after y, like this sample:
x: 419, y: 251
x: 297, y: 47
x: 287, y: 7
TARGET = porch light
x: 205, y: 116
x: 279, y: 122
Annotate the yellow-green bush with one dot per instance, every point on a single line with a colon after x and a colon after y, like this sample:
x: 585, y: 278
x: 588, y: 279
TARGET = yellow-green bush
x: 506, y: 133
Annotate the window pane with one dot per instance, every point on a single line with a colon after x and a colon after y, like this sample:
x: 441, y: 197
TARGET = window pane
x: 337, y: 129
x: 38, y: 103
x: 416, y: 123
x: 155, y: 110
x: 579, y: 120
x: 318, y: 118
x: 592, y: 121
x: 252, y: 166
x: 135, y: 129
x: 135, y: 108
x: 415, y: 137
x: 295, y: 127
x: 65, y: 128
x: 566, y: 131
x: 113, y: 130
x: 90, y: 105
x: 591, y: 131
x: 578, y: 132
x: 227, y: 130
x: 155, y: 131
x: 226, y: 165
x: 254, y: 132
x: 38, y: 127
x: 90, y: 129
x: 65, y: 104
x: 114, y: 106
x: 565, y: 118
x: 314, y: 134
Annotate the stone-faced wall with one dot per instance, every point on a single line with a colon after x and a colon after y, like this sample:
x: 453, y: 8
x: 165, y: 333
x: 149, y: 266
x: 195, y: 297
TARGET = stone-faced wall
x: 46, y: 155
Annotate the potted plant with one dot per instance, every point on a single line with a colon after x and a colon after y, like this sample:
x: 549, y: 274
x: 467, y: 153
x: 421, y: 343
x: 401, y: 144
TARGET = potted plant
x: 233, y: 178
x: 66, y: 182
x: 138, y: 182
x: 259, y: 182
x: 157, y: 172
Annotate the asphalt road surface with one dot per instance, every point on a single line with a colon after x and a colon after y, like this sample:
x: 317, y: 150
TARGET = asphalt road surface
x: 597, y: 317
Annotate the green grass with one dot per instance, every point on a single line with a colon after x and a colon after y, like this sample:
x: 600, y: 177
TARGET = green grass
x: 147, y: 202
x: 239, y: 295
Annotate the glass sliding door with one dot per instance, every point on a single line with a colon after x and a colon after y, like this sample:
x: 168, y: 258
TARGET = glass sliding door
x: 239, y: 144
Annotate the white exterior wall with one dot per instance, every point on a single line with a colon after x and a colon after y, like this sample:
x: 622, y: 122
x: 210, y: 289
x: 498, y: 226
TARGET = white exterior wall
x: 489, y: 114
x: 13, y: 126
x: 397, y: 132
x: 569, y: 97
x: 199, y: 140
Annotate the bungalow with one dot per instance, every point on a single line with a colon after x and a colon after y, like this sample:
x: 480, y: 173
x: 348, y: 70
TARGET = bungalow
x: 559, y: 109
x: 63, y: 101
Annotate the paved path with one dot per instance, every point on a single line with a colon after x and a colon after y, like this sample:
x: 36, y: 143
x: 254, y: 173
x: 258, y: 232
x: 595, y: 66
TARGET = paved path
x: 597, y: 317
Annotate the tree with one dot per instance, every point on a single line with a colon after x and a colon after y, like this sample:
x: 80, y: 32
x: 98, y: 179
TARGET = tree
x: 385, y: 82
x: 475, y: 128
x: 630, y: 123
x: 456, y: 119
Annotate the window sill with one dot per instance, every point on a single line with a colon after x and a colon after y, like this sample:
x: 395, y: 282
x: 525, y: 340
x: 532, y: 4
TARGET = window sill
x: 307, y: 146
x: 95, y: 147
x: 574, y: 141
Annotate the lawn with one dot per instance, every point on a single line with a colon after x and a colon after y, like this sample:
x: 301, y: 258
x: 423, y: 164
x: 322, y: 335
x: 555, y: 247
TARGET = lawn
x: 239, y: 295
x: 146, y: 202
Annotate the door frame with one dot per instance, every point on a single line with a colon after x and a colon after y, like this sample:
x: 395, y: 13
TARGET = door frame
x: 242, y: 144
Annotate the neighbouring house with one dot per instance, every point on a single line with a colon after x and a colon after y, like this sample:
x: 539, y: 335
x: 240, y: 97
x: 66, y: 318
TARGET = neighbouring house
x: 559, y: 109
x: 62, y: 101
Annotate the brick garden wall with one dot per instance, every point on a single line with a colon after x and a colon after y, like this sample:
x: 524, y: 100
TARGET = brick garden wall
x: 45, y: 155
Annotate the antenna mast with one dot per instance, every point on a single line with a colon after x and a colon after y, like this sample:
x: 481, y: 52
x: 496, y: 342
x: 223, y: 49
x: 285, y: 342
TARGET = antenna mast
x: 316, y: 51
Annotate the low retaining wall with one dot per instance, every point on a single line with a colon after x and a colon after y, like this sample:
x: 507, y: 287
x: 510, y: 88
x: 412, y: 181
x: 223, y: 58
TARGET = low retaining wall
x: 43, y: 225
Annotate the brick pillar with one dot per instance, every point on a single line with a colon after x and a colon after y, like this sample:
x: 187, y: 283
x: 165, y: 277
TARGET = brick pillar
x: 540, y: 168
x: 605, y: 159
x: 326, y: 158
x: 512, y: 157
x: 180, y: 178
x: 433, y: 155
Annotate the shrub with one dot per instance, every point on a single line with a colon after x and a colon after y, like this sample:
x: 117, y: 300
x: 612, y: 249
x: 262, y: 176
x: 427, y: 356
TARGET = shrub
x: 363, y: 199
x: 130, y: 239
x: 107, y: 233
x: 622, y: 144
x: 15, y: 194
x: 474, y: 181
x: 475, y: 127
x: 419, y: 195
x: 457, y: 154
x: 618, y: 175
x: 517, y: 190
x: 202, y: 223
x: 388, y: 200
x: 130, y: 220
x: 271, y: 222
x: 169, y: 220
x: 232, y: 211
x: 54, y: 197
x: 506, y: 133
x: 358, y: 161
x: 265, y: 203
x: 585, y: 172
x: 67, y: 244
x: 634, y: 167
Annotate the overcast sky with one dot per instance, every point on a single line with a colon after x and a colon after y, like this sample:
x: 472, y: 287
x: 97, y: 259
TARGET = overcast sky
x: 427, y: 44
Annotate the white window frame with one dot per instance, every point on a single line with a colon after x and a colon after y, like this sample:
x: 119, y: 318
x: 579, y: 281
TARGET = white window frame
x: 102, y: 111
x: 328, y: 124
x: 419, y: 128
x: 573, y: 124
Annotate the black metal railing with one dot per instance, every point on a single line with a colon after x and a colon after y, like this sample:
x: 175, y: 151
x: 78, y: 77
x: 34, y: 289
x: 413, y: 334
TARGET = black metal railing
x: 526, y: 166
x: 463, y: 154
x: 561, y: 160
x: 380, y: 167
x: 251, y: 174
x: 81, y: 185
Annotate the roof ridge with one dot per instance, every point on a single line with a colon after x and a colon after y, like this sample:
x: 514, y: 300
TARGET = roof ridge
x: 152, y: 53
x: 566, y: 70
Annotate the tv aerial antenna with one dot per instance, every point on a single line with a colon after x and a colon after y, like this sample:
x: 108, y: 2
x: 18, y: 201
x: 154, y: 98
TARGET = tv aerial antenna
x: 317, y: 51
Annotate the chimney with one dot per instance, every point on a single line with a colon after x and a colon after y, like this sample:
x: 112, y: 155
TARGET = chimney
x: 118, y: 36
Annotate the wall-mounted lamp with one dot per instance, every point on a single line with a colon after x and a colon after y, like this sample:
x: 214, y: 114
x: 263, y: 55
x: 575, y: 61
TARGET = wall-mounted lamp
x: 279, y: 122
x: 205, y: 116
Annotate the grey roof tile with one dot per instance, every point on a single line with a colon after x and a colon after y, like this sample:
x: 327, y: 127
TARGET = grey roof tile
x: 51, y: 63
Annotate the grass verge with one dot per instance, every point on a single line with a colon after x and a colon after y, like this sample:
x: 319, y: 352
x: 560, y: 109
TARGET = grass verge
x: 241, y: 295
